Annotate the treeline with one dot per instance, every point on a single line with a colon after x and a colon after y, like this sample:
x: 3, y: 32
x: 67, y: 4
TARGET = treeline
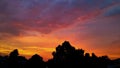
x: 65, y: 56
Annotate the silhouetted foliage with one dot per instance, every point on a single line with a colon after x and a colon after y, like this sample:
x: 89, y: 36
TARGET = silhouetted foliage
x: 16, y: 61
x: 14, y: 53
x: 36, y: 61
x: 65, y: 56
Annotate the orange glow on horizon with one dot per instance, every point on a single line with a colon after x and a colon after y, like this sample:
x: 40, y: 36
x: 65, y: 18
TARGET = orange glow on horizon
x: 46, y: 52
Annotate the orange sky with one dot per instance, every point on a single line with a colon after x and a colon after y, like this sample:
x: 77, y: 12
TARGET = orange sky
x: 37, y: 27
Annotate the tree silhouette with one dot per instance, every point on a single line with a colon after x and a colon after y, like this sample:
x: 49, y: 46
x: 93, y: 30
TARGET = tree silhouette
x: 65, y: 56
x: 4, y: 62
x: 36, y: 61
x: 14, y: 53
x: 16, y: 61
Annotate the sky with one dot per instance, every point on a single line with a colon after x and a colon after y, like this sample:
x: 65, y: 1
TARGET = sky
x: 38, y: 26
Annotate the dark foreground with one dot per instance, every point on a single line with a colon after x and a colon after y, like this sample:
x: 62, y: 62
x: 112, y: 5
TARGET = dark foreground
x: 65, y: 56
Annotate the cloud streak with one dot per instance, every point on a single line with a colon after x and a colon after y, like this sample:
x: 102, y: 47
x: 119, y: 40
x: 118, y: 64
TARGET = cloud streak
x: 16, y: 16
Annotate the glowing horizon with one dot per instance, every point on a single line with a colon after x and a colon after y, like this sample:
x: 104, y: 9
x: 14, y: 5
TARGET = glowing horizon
x: 38, y: 26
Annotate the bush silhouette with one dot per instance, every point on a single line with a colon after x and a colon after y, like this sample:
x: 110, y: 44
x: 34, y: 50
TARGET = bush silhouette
x: 16, y: 61
x: 14, y: 53
x: 36, y: 61
x: 65, y: 56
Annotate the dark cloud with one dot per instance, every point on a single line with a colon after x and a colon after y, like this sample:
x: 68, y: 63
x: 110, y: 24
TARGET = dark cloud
x: 114, y: 10
x: 100, y: 32
x: 116, y: 42
x: 8, y: 28
x: 44, y: 16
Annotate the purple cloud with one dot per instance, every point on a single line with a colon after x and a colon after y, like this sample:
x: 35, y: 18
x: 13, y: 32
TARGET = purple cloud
x: 114, y: 10
x: 44, y: 16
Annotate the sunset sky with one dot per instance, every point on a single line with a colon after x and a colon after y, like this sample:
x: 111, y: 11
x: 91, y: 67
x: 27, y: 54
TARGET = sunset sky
x: 38, y: 26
